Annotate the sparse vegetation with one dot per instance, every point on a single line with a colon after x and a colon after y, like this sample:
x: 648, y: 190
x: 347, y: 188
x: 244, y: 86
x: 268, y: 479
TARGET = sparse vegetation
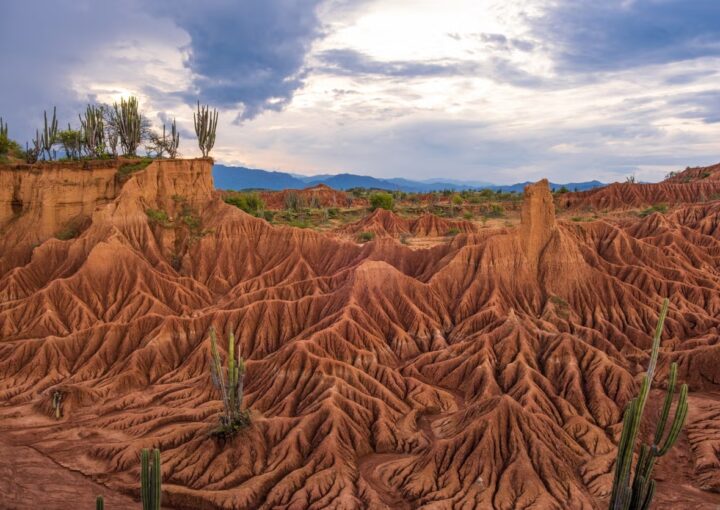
x: 452, y: 232
x: 229, y: 381
x: 633, y: 489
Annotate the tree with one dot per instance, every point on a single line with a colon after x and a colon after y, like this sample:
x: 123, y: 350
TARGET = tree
x: 205, y: 128
x: 72, y: 142
x: 381, y: 200
x: 160, y: 144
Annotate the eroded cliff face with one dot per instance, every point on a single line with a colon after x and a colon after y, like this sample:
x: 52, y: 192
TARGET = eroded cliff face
x: 60, y: 200
x: 487, y: 372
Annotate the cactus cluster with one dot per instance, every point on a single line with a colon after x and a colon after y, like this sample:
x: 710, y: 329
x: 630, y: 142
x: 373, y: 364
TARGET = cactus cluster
x: 637, y: 493
x: 129, y: 124
x: 230, y: 382
x: 205, y: 128
x: 150, y: 480
x: 93, y: 129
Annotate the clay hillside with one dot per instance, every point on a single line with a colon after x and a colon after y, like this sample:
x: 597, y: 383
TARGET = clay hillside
x: 487, y: 369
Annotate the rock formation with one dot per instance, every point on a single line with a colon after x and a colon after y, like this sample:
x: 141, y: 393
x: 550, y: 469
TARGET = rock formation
x: 489, y: 371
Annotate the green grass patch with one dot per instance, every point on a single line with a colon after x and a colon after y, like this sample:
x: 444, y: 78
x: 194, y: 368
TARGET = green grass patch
x: 365, y: 237
x: 127, y: 169
x: 657, y: 208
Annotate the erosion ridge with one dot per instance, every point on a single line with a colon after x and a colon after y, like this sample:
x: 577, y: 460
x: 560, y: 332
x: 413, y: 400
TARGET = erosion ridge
x: 489, y: 371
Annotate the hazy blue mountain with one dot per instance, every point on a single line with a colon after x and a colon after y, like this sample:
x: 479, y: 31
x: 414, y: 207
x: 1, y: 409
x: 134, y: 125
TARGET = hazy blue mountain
x: 228, y: 177
x: 238, y: 177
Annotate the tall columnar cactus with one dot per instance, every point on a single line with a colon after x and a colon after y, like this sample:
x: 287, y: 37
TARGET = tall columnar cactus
x: 99, y: 503
x: 49, y: 135
x: 150, y: 480
x: 129, y: 124
x: 174, y: 142
x: 205, y: 128
x: 93, y: 128
x: 639, y: 494
x: 3, y: 128
x: 230, y: 382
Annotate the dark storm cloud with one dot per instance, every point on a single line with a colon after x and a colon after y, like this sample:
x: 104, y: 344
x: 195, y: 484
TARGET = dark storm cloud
x: 593, y: 35
x: 247, y: 53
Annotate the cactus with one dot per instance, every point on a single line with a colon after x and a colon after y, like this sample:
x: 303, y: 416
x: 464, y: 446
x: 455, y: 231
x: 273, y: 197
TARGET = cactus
x: 32, y: 153
x: 639, y: 494
x: 128, y: 124
x: 150, y: 480
x: 49, y: 135
x: 230, y: 382
x: 3, y: 129
x: 205, y: 128
x: 174, y: 142
x: 57, y: 404
x: 93, y: 129
x: 99, y: 503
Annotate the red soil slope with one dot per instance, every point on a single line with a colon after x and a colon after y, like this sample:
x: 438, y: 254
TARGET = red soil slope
x: 385, y: 223
x: 487, y: 372
x: 694, y: 185
x: 315, y: 196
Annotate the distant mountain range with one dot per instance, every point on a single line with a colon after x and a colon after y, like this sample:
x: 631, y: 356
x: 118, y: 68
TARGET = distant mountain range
x: 241, y: 178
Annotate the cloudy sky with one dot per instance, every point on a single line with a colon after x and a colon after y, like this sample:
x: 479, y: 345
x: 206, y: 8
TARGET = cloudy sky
x: 491, y: 90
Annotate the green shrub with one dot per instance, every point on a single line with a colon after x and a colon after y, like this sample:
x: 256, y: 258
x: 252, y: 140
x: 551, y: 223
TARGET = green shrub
x: 158, y: 217
x: 496, y: 211
x: 381, y: 200
x: 251, y: 202
x: 364, y: 237
x: 659, y: 208
x: 452, y: 232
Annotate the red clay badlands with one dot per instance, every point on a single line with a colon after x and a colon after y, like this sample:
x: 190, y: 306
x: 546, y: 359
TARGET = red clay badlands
x: 489, y: 371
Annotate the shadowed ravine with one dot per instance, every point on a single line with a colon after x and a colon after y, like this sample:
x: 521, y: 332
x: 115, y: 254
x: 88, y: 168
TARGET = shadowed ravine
x: 488, y: 371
